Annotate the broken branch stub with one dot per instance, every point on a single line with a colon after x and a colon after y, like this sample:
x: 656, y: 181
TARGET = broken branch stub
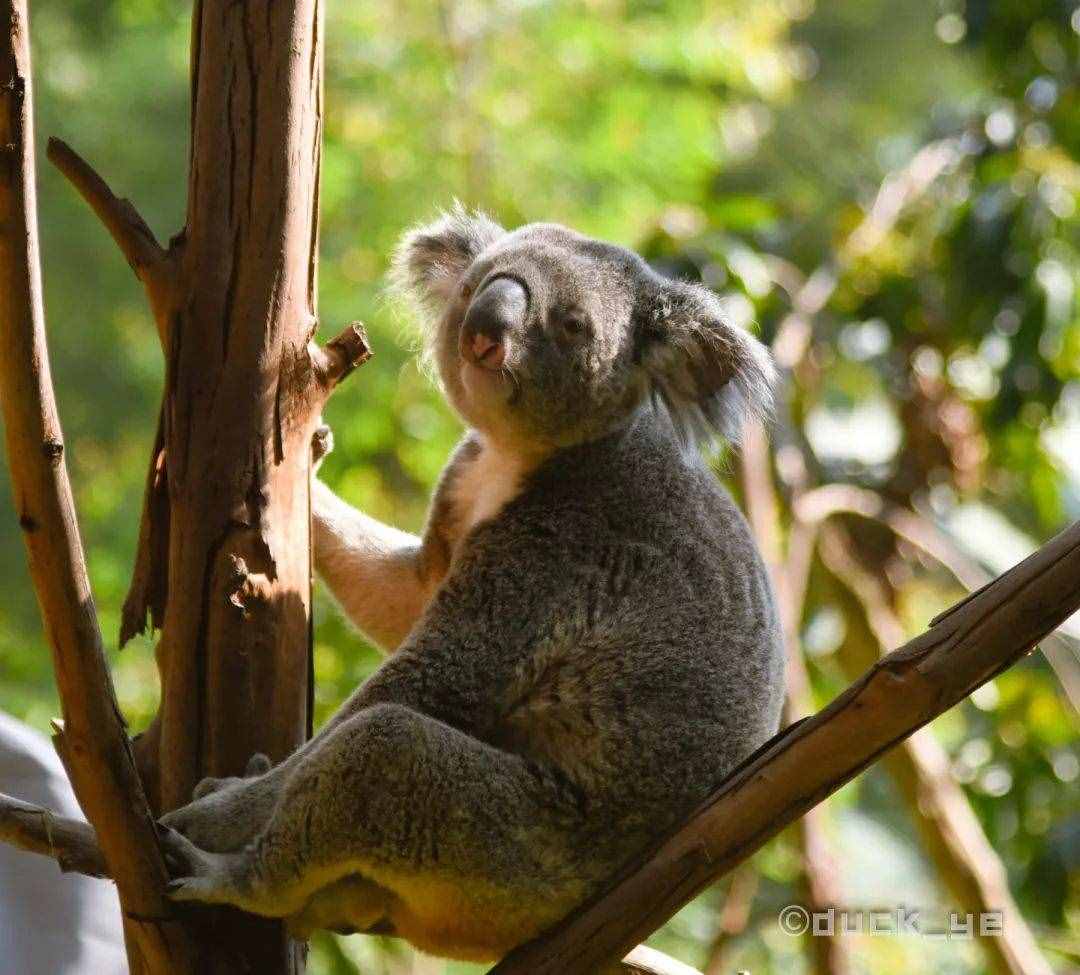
x: 345, y: 352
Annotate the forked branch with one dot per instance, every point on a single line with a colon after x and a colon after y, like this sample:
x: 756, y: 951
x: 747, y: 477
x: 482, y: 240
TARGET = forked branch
x: 965, y: 647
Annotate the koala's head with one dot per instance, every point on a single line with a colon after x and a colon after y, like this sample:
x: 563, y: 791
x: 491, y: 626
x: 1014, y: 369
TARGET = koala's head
x: 542, y: 336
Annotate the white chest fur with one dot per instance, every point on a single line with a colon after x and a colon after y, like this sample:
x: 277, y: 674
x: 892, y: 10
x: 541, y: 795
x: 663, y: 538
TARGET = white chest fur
x: 485, y: 485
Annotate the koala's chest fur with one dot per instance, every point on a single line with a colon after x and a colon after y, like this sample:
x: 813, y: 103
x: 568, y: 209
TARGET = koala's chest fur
x: 483, y: 487
x: 479, y: 481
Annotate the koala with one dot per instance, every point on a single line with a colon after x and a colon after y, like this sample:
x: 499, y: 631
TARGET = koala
x: 581, y: 645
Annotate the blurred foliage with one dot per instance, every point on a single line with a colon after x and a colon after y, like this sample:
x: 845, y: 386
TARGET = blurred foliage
x: 741, y: 143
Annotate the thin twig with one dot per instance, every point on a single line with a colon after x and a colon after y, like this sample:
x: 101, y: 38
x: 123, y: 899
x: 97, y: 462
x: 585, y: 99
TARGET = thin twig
x: 124, y: 223
x: 734, y: 917
x: 897, y: 191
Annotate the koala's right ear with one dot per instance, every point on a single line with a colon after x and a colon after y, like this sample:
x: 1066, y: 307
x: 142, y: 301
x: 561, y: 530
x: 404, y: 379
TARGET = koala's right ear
x: 431, y: 259
x: 709, y: 374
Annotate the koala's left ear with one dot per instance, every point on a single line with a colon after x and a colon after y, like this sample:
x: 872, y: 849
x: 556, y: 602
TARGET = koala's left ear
x: 431, y: 259
x: 709, y: 374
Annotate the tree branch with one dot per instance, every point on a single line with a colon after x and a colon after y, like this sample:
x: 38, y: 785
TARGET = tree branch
x: 123, y: 222
x: 819, y: 883
x: 814, y: 507
x: 98, y: 751
x: 967, y: 646
x: 735, y: 914
x: 71, y: 842
x: 340, y: 356
x: 148, y: 259
x: 951, y: 832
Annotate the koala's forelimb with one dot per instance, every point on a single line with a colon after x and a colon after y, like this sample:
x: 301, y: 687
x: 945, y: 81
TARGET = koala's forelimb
x: 374, y: 571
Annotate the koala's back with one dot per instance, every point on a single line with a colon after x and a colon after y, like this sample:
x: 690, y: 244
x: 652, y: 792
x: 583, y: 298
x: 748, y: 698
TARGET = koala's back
x: 661, y: 667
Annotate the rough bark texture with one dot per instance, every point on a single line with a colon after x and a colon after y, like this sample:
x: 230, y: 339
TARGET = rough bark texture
x: 965, y: 647
x: 226, y: 566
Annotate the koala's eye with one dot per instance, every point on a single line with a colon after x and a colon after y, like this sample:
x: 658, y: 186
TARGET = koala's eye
x: 465, y: 291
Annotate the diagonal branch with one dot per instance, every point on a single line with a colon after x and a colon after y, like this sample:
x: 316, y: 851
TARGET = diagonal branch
x: 97, y: 749
x: 968, y: 645
x: 124, y: 223
x: 952, y: 835
x: 148, y: 259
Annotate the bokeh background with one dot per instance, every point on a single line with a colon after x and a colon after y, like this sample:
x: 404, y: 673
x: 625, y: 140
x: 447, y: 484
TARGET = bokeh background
x: 885, y: 189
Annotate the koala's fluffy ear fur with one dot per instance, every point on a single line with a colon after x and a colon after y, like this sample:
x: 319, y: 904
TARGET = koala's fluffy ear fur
x: 431, y: 259
x: 709, y: 374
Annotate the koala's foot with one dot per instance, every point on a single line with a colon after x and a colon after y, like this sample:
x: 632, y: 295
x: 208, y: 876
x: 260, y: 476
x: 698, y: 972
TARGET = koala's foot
x: 209, y: 878
x: 229, y: 813
x: 257, y: 765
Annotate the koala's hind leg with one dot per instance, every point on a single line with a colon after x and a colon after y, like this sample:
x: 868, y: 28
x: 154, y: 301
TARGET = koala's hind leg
x: 226, y: 814
x: 476, y: 845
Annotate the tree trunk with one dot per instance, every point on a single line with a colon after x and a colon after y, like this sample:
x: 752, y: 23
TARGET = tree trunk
x: 231, y: 484
x: 224, y: 565
x: 235, y: 646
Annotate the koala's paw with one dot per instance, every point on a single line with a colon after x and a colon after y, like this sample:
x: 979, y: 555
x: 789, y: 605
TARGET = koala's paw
x: 322, y: 443
x: 198, y: 875
x: 221, y: 821
x: 204, y: 877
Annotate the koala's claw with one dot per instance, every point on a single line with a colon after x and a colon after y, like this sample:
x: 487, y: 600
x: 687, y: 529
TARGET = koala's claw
x: 200, y: 889
x: 203, y: 876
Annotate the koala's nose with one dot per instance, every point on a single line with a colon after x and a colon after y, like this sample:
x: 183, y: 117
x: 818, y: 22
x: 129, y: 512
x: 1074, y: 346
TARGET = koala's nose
x: 495, y: 312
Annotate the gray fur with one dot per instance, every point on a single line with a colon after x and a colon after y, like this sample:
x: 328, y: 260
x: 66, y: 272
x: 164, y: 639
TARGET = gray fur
x: 593, y: 657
